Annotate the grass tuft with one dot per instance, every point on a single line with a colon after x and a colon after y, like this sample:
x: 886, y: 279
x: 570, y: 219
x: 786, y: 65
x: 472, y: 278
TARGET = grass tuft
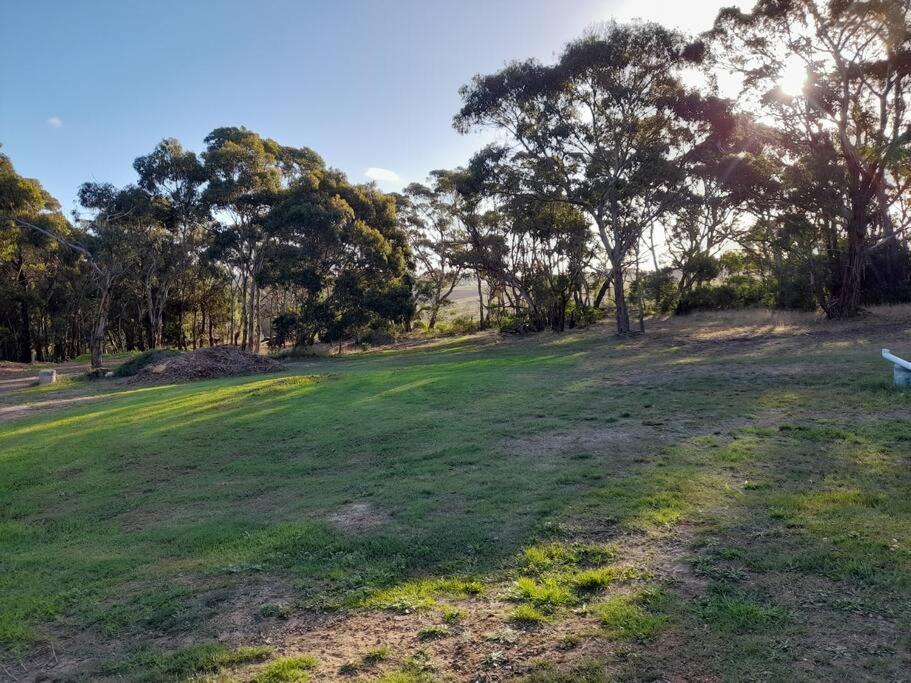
x: 287, y: 670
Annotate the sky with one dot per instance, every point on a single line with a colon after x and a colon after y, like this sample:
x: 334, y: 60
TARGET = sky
x: 371, y: 85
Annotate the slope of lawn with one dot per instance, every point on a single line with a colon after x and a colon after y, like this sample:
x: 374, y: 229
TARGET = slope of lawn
x: 691, y: 503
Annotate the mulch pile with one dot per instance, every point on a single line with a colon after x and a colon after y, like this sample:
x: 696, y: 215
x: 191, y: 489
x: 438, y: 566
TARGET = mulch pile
x: 218, y: 361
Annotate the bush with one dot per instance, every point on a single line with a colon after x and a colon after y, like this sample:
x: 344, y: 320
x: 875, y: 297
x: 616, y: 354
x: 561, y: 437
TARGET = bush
x: 461, y: 324
x: 137, y: 363
x: 520, y: 323
x: 736, y: 293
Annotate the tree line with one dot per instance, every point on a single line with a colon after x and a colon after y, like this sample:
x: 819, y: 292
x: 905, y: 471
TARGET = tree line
x: 624, y: 178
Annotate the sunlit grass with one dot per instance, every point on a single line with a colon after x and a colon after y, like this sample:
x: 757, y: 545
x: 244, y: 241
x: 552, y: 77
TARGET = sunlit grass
x: 148, y: 510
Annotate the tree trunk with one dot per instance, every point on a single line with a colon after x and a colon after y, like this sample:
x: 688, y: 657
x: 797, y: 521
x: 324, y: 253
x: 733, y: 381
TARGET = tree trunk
x: 599, y: 298
x: 847, y: 301
x: 99, y: 329
x: 25, y: 342
x: 257, y: 321
x: 480, y: 303
x: 620, y: 301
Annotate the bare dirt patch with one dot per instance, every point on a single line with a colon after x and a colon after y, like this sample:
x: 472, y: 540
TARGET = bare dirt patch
x: 358, y: 517
x: 218, y: 361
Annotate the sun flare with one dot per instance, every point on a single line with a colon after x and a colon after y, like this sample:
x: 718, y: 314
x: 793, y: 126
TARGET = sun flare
x: 793, y: 76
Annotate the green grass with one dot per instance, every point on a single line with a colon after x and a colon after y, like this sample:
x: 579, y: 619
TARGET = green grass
x: 774, y: 471
x: 198, y: 659
x: 287, y: 670
x: 634, y: 616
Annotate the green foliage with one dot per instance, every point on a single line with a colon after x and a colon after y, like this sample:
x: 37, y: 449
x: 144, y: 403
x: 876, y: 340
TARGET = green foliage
x: 742, y: 293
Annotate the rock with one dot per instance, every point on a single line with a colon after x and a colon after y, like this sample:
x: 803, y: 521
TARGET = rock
x: 47, y: 376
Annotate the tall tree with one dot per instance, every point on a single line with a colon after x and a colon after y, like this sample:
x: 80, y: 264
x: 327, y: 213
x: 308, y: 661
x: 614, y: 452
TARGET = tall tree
x: 430, y: 215
x: 854, y: 59
x: 30, y: 225
x: 244, y: 178
x: 173, y: 177
x: 110, y: 248
x: 607, y: 129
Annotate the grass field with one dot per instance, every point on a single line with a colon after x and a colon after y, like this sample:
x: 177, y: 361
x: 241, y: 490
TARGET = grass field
x: 723, y: 498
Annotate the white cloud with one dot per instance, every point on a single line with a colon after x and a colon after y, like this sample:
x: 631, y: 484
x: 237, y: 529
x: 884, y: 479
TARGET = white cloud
x: 55, y: 122
x: 382, y: 175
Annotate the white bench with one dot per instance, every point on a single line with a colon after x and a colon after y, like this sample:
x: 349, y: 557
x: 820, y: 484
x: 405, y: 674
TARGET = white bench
x: 901, y: 369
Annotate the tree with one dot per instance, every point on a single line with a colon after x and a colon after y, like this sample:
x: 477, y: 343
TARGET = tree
x: 342, y: 251
x: 607, y: 129
x: 856, y: 58
x: 30, y: 223
x: 173, y: 177
x: 110, y: 248
x: 244, y: 177
x: 430, y: 216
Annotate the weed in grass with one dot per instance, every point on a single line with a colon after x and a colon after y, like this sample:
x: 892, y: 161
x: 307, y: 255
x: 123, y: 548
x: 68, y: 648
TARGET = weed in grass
x: 421, y: 594
x: 549, y: 556
x: 376, y: 655
x: 287, y: 670
x: 418, y: 663
x: 737, y: 612
x: 433, y: 633
x: 569, y: 642
x: 547, y: 594
x: 525, y: 615
x: 634, y: 616
x: 589, y: 672
x: 592, y: 580
x: 197, y: 659
x: 277, y: 611
x: 348, y: 669
x: 452, y: 615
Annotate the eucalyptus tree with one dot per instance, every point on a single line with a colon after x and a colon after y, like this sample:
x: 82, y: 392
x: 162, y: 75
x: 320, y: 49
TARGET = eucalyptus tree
x: 833, y: 78
x: 176, y: 227
x: 342, y: 251
x: 607, y: 129
x: 31, y: 230
x: 430, y: 215
x: 112, y: 219
x: 244, y: 178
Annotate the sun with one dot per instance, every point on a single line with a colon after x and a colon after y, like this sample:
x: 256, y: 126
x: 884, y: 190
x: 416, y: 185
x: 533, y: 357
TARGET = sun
x: 793, y: 76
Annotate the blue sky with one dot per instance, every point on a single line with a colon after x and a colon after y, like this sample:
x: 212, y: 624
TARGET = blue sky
x: 85, y: 87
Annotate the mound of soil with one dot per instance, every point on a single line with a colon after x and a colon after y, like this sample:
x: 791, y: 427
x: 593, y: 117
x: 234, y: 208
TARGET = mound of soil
x: 137, y: 363
x: 218, y: 361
